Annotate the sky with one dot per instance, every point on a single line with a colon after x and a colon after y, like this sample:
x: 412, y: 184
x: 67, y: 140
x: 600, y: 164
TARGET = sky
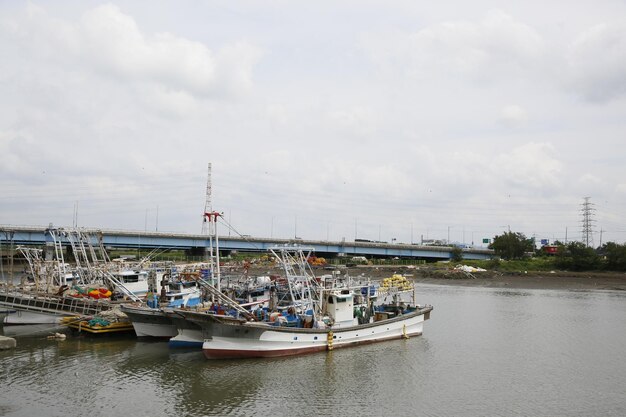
x: 393, y: 121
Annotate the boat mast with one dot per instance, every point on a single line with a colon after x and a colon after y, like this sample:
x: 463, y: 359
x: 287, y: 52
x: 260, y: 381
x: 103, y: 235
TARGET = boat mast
x: 209, y: 226
x: 300, y: 278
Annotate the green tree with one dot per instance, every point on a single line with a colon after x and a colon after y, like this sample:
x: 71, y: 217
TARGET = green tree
x: 511, y: 245
x: 615, y: 256
x: 577, y: 256
x: 456, y: 254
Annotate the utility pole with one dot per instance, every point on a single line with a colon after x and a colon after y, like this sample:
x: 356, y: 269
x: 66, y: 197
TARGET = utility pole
x: 75, y: 219
x: 587, y: 221
x: 601, y: 236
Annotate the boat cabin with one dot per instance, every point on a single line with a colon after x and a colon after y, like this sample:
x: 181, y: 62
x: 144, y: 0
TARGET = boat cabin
x: 135, y: 281
x: 340, y: 307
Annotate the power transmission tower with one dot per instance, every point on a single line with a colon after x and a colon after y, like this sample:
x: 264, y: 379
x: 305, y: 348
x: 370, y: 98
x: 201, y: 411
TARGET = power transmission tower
x: 587, y: 211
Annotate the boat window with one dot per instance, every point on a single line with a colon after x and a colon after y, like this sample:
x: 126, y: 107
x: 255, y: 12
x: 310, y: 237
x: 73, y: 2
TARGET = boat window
x: 330, y: 300
x: 341, y: 300
x: 131, y: 278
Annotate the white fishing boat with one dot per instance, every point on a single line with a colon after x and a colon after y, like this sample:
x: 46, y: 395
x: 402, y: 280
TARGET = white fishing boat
x: 321, y: 319
x: 176, y: 290
x: 191, y: 335
x: 240, y: 338
x: 149, y: 322
x: 149, y: 319
x: 187, y: 333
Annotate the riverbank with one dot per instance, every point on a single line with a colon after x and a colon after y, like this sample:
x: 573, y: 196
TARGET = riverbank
x: 446, y: 275
x: 562, y: 280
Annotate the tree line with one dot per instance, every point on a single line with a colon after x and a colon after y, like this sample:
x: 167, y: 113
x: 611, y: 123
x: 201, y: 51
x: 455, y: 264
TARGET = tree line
x: 573, y: 256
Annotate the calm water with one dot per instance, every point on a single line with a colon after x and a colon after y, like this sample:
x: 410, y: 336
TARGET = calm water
x: 485, y: 352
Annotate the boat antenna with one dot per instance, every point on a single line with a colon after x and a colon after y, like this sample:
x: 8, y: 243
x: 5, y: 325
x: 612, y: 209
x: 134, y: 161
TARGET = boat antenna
x: 208, y: 207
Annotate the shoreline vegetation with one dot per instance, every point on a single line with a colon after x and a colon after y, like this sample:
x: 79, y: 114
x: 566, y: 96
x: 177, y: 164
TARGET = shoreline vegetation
x: 446, y: 274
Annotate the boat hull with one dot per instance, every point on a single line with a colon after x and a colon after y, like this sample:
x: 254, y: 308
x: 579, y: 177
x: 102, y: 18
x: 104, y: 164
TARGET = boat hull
x: 231, y: 340
x: 161, y: 331
x: 187, y: 338
x: 188, y: 333
x: 149, y: 322
x: 33, y: 317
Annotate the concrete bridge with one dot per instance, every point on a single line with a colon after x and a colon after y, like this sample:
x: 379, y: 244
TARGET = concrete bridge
x: 40, y: 236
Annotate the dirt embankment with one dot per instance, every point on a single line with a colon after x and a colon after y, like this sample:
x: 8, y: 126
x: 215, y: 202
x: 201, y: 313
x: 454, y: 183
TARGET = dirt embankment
x: 521, y: 280
x: 493, y: 279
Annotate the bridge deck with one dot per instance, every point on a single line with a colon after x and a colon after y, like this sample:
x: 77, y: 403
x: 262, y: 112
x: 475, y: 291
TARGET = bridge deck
x: 37, y: 235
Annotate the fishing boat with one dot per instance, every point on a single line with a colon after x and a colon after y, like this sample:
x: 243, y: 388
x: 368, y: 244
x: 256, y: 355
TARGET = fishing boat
x: 176, y: 290
x: 44, y: 308
x: 112, y: 321
x: 103, y: 324
x: 149, y: 322
x: 191, y: 335
x: 187, y: 333
x: 321, y: 319
x: 149, y: 319
x: 50, y: 290
x: 239, y: 338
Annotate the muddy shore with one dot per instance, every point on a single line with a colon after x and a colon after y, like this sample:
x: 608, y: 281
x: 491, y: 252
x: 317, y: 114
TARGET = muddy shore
x: 519, y: 280
x: 562, y: 280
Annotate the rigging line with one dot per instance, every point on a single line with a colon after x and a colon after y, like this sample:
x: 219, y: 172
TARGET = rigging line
x: 225, y: 222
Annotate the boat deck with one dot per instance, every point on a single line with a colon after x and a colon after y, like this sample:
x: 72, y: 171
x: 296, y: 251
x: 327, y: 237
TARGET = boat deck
x: 82, y: 324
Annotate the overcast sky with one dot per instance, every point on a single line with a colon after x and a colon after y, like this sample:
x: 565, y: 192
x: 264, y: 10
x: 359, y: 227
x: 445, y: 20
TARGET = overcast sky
x: 322, y: 119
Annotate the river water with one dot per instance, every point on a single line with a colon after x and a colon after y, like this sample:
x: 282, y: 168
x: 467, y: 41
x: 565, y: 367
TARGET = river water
x: 484, y: 352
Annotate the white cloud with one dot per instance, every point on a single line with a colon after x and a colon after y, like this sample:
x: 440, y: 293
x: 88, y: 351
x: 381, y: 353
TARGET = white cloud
x: 495, y: 47
x: 531, y: 166
x: 513, y: 116
x: 597, y: 62
x: 359, y: 121
x: 590, y: 184
x: 109, y: 42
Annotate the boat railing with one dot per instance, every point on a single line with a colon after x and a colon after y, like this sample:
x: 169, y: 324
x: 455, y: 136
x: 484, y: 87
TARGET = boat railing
x: 50, y: 303
x: 224, y: 299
